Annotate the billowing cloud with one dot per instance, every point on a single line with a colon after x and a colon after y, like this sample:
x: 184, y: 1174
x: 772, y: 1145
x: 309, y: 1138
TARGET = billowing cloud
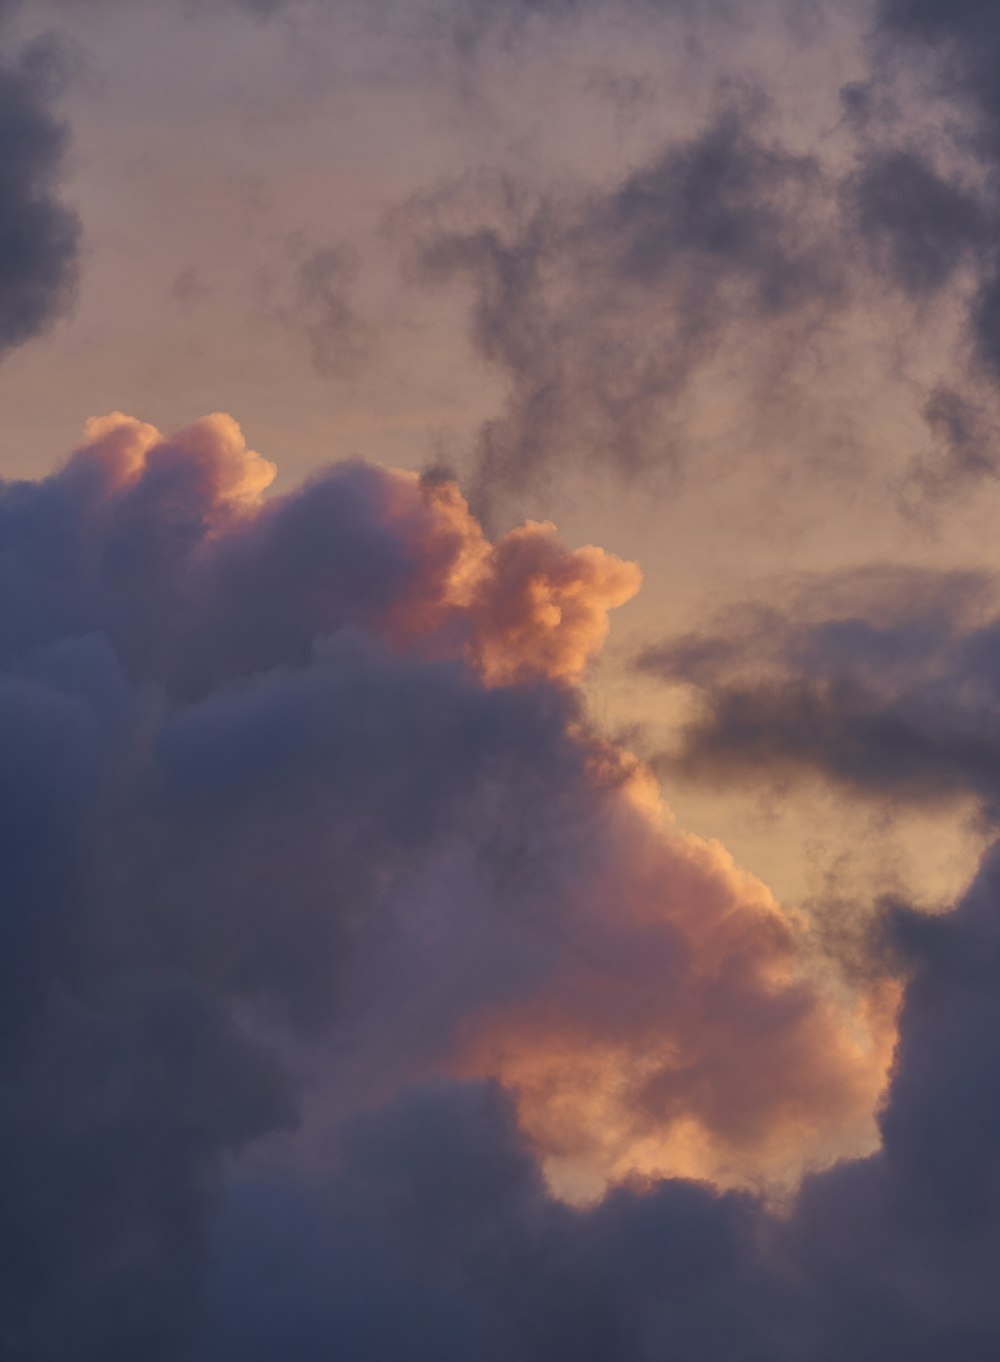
x: 431, y: 1222
x: 300, y: 798
x: 359, y: 996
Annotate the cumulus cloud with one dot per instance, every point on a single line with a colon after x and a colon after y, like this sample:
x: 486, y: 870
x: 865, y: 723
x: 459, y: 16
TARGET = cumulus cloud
x: 300, y: 797
x: 357, y: 996
x: 432, y: 1220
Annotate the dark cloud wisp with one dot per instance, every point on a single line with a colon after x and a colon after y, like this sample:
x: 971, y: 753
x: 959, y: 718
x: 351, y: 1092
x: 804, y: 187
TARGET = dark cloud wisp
x: 39, y: 235
x: 600, y: 310
x: 899, y: 704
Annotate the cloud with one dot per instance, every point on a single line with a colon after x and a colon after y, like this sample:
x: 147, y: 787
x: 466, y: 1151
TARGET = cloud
x: 926, y: 197
x: 891, y: 694
x: 357, y: 997
x: 741, y: 267
x: 438, y: 1228
x: 921, y: 226
x: 601, y: 308
x: 322, y: 307
x: 963, y: 447
x: 430, y: 1217
x: 212, y: 586
x: 961, y: 40
x: 39, y: 235
x: 301, y: 805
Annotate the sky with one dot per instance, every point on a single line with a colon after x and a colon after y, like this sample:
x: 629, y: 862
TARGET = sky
x: 499, y: 680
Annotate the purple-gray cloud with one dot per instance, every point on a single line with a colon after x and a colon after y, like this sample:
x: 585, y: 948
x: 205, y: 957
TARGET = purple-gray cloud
x: 601, y: 310
x: 435, y: 1234
x: 299, y: 797
x: 333, y: 935
x: 39, y: 235
x: 893, y: 696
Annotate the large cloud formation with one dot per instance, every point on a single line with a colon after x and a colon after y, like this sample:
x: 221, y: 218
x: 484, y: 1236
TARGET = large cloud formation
x: 300, y: 805
x: 431, y: 1233
x: 357, y: 997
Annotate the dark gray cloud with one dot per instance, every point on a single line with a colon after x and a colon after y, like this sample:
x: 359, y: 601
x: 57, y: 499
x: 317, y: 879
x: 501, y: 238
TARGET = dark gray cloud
x: 39, y: 235
x: 198, y: 840
x: 925, y: 201
x: 898, y: 699
x: 960, y: 41
x: 599, y: 311
x: 930, y: 227
x: 898, y: 1248
x: 123, y: 1082
x: 171, y: 870
x: 603, y: 311
x: 457, y: 1245
x: 298, y: 797
x: 926, y: 234
x: 922, y: 227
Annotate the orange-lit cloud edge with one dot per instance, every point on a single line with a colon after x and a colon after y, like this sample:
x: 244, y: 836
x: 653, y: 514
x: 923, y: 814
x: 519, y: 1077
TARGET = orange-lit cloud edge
x: 682, y: 1030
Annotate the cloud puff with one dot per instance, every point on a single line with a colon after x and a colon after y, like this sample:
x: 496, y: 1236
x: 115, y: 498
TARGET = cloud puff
x: 216, y: 586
